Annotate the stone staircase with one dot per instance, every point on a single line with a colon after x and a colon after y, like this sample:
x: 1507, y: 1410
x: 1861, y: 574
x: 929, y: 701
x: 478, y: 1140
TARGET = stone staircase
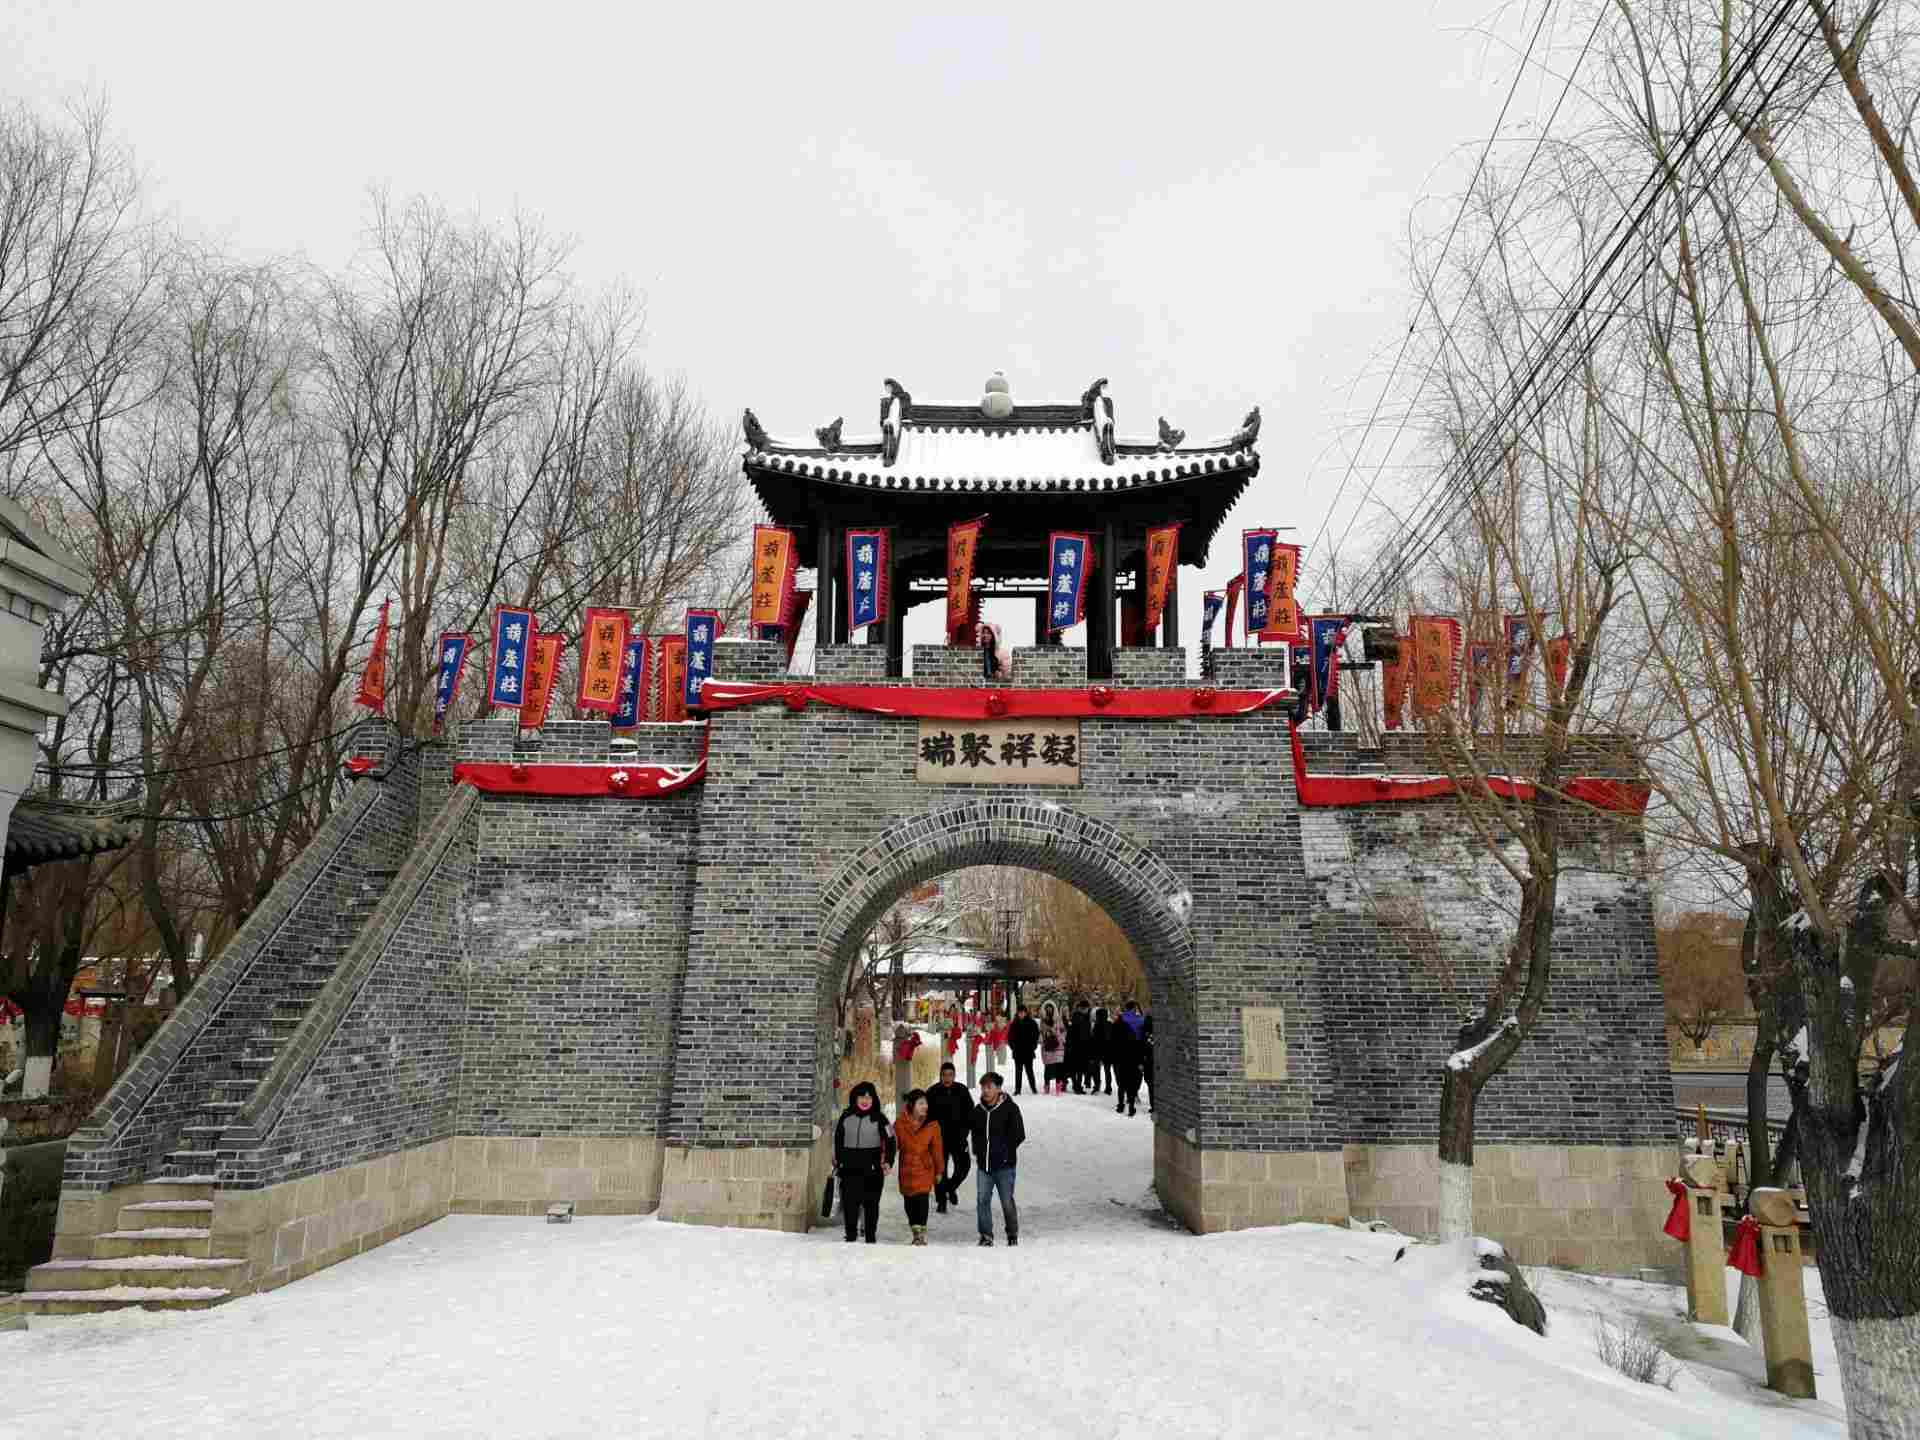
x: 199, y: 1148
x: 160, y: 1252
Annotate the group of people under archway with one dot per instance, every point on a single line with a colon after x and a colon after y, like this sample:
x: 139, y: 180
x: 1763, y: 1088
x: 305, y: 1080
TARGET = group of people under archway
x: 1086, y: 1051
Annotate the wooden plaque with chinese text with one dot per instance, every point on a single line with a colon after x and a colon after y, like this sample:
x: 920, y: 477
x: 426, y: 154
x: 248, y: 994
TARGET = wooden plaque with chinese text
x: 998, y: 752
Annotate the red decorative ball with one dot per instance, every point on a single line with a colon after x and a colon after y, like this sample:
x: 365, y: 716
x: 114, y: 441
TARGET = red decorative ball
x: 1203, y: 699
x: 996, y: 703
x: 1101, y: 695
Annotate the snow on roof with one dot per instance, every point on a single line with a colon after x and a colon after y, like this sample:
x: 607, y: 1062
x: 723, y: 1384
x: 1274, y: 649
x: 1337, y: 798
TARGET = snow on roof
x: 939, y: 458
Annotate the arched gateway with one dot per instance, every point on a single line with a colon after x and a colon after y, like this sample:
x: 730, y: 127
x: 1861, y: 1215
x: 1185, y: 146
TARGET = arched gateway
x: 516, y: 970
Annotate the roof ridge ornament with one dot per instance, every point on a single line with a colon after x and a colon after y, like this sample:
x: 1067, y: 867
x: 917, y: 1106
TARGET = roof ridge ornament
x: 755, y: 431
x: 829, y: 435
x: 1249, y: 429
x: 997, y: 402
x: 1170, y: 438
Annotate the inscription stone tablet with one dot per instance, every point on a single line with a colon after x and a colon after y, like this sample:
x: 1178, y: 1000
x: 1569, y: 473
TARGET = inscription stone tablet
x: 1263, y: 1040
x: 999, y: 752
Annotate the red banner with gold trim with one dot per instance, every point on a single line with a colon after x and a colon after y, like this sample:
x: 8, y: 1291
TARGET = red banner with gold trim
x: 543, y: 668
x: 602, y: 648
x: 673, y: 677
x: 1163, y: 555
x: 774, y: 561
x: 373, y: 680
x: 1436, y: 663
x: 963, y: 549
x: 1284, y: 621
x: 1394, y: 675
x: 1559, y: 660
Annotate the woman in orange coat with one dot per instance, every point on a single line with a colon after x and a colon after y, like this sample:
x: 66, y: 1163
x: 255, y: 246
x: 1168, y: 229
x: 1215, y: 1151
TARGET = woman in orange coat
x: 922, y: 1158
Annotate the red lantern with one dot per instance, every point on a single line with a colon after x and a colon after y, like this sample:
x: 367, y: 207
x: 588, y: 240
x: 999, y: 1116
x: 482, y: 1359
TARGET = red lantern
x: 1678, y: 1225
x: 903, y: 1048
x: 1745, y: 1254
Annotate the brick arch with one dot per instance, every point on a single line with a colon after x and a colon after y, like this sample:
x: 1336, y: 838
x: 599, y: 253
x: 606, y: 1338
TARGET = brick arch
x: 1147, y: 900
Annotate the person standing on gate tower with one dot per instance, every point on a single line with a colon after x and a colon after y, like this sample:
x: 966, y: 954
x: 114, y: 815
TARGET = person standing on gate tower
x: 1023, y: 1038
x: 922, y: 1160
x: 998, y: 1132
x: 951, y: 1106
x: 862, y: 1156
x: 1053, y: 1050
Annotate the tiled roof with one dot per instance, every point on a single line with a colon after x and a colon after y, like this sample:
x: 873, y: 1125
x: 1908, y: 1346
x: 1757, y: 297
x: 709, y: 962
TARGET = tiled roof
x: 42, y: 830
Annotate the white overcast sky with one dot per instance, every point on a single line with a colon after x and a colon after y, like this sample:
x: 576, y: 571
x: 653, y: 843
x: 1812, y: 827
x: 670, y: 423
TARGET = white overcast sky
x: 1207, y: 204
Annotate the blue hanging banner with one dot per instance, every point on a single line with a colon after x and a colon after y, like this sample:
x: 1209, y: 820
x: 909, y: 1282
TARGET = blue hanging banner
x: 1256, y: 561
x: 868, y: 553
x: 1327, y: 632
x: 1209, y: 612
x: 1300, y: 672
x: 634, y: 684
x: 512, y: 637
x: 703, y: 628
x: 453, y: 657
x: 1068, y: 553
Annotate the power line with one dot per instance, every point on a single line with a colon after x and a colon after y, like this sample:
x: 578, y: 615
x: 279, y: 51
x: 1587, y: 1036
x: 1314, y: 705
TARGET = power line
x: 1459, y: 214
x: 1417, y: 537
x: 1539, y: 143
x: 126, y: 769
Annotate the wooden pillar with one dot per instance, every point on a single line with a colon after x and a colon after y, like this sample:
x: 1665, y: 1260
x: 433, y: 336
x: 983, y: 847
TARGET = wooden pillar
x: 897, y: 622
x: 1170, y: 617
x: 823, y: 585
x: 842, y: 634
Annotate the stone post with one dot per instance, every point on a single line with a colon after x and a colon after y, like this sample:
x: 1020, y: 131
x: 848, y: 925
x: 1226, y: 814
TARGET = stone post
x: 1783, y: 1296
x: 902, y: 1069
x: 1706, y: 1246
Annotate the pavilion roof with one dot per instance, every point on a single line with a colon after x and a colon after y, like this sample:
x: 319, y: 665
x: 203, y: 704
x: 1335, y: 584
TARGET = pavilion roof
x: 1047, y: 464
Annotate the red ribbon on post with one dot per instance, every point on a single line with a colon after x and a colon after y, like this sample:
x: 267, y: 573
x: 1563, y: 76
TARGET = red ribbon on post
x: 904, y: 1047
x: 1679, y: 1224
x: 1745, y: 1254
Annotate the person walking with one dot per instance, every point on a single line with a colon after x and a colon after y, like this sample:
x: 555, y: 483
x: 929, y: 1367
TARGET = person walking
x: 951, y: 1106
x: 1079, y: 1047
x: 1023, y: 1038
x: 1053, y: 1050
x: 862, y: 1157
x: 998, y: 1133
x: 1102, y: 1074
x: 1124, y: 1046
x: 923, y: 1160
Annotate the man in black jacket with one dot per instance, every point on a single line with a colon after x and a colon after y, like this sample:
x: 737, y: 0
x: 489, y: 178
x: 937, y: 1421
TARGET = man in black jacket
x: 950, y: 1106
x: 1023, y: 1038
x: 1080, y: 1046
x: 998, y: 1132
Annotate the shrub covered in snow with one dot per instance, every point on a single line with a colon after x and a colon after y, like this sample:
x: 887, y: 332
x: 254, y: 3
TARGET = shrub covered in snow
x: 1631, y: 1348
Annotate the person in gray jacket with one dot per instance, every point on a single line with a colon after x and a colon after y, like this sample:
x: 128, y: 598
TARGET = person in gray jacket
x: 862, y: 1156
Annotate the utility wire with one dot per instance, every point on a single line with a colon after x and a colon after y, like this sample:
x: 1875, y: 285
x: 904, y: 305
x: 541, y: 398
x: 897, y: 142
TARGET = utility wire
x: 1459, y: 214
x: 127, y: 768
x: 1539, y: 143
x: 1417, y: 537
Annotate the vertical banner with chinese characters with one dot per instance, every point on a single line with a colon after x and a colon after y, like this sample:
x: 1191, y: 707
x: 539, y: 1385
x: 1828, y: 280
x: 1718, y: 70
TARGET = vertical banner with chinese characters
x: 1211, y: 604
x: 453, y: 659
x: 1326, y: 632
x: 1436, y: 658
x: 703, y: 628
x: 634, y: 683
x: 512, y: 635
x: 1559, y: 660
x: 1067, y: 553
x: 1234, y: 587
x: 543, y: 668
x: 1519, y: 631
x: 601, y: 646
x: 373, y: 679
x: 869, y: 568
x: 773, y: 567
x: 798, y: 603
x: 1393, y: 682
x: 1163, y: 554
x: 1256, y: 566
x: 1283, y: 607
x: 673, y: 678
x: 963, y: 547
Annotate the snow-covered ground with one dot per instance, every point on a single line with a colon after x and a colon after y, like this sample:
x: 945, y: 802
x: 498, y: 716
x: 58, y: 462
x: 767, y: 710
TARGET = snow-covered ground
x: 1107, y: 1321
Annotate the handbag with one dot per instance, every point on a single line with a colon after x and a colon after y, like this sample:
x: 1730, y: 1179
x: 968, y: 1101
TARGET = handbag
x: 826, y: 1200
